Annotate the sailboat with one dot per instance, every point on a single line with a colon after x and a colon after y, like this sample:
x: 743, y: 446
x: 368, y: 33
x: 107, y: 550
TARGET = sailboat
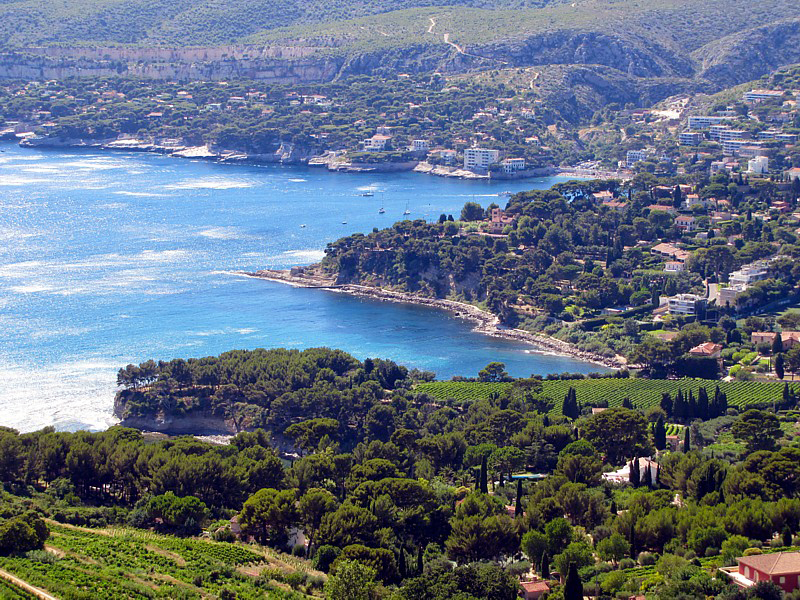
x: 381, y: 211
x: 406, y: 211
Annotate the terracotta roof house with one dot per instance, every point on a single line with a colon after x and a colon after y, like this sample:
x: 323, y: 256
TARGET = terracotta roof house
x: 790, y: 339
x: 781, y: 568
x: 707, y: 349
x: 760, y: 337
x: 533, y: 590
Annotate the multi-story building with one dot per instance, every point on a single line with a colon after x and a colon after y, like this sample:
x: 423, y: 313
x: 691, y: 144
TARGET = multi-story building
x: 420, y: 146
x: 685, y: 223
x: 754, y: 96
x: 758, y: 165
x: 635, y: 156
x: 729, y: 295
x: 704, y: 122
x: 513, y: 165
x: 479, y: 159
x: 749, y: 274
x: 690, y: 138
x: 377, y: 143
x: 685, y: 304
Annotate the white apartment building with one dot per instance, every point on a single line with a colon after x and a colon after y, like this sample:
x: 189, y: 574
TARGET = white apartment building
x: 690, y: 138
x: 420, y: 146
x: 377, y: 143
x: 512, y: 165
x: 729, y: 295
x: 684, y: 304
x: 749, y: 274
x: 758, y: 165
x: 704, y: 122
x: 635, y: 156
x: 761, y: 95
x: 480, y: 158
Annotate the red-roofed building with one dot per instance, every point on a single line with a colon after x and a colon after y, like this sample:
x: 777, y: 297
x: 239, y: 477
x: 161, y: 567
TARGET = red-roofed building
x: 781, y: 568
x: 533, y: 590
x: 707, y: 350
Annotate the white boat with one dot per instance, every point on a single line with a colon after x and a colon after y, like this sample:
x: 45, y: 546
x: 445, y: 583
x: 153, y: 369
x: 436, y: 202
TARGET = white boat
x: 344, y: 222
x: 303, y: 226
x: 381, y: 211
x: 406, y: 211
x: 368, y: 194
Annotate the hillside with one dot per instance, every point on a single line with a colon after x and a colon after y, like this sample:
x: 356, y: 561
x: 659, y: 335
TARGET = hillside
x: 711, y: 44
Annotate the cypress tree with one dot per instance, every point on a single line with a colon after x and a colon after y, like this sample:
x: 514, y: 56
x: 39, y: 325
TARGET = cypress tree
x: 419, y: 560
x: 787, y: 396
x: 484, y: 481
x: 626, y: 403
x: 687, y: 443
x: 786, y: 536
x: 544, y: 567
x: 632, y: 539
x: 780, y: 363
x: 657, y: 481
x: 702, y: 404
x: 573, y: 587
x: 660, y: 434
x: 635, y: 473
x: 777, y: 344
x: 518, y: 503
x: 648, y: 476
x: 613, y: 507
x: 677, y: 197
x: 666, y: 403
x: 679, y: 406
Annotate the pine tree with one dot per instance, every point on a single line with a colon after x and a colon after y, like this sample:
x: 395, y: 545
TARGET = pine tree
x: 573, y: 587
x: 635, y: 473
x: 518, y: 502
x: 660, y: 434
x: 687, y: 443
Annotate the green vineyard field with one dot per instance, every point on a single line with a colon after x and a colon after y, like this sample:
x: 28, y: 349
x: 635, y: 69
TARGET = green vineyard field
x: 643, y: 393
x: 127, y: 564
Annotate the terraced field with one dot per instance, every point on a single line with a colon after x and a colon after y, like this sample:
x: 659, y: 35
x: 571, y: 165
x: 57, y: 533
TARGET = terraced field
x: 643, y: 393
x: 132, y: 564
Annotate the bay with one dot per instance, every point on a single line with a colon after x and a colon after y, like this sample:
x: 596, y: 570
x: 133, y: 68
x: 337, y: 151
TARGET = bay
x: 112, y: 258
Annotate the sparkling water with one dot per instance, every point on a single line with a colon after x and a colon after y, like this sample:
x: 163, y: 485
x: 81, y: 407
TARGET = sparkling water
x: 112, y: 258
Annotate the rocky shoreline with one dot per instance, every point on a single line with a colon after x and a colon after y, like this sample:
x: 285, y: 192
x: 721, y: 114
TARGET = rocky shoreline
x: 485, y: 322
x: 282, y: 156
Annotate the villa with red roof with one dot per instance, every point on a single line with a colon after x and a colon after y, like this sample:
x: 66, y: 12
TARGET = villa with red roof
x: 781, y: 568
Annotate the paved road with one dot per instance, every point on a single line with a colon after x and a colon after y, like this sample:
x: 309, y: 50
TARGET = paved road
x: 26, y: 586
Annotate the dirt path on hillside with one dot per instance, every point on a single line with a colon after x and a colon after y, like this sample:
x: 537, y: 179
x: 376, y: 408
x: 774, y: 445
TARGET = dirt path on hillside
x: 24, y: 585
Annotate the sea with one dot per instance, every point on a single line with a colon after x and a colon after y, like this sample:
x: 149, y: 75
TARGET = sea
x: 111, y: 258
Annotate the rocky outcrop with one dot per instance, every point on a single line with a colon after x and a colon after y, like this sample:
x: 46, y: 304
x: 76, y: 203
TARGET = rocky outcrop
x: 748, y: 55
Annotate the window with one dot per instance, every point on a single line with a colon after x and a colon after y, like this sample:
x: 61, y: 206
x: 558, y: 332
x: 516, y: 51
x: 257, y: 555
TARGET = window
x: 783, y: 579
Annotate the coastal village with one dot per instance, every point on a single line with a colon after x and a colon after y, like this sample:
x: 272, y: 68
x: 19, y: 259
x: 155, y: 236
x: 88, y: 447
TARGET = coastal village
x: 669, y: 260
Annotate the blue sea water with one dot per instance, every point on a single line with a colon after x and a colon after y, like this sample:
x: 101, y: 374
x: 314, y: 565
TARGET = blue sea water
x: 113, y: 258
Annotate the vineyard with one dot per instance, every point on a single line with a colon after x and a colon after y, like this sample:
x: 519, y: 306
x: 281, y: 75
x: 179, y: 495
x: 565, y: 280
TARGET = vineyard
x: 123, y: 563
x: 643, y: 393
x: 11, y: 592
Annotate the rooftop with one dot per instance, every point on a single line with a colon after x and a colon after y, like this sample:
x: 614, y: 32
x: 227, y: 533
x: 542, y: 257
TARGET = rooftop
x: 780, y: 563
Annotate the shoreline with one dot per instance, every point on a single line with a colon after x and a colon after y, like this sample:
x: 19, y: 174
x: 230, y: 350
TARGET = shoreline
x: 229, y: 157
x: 485, y: 323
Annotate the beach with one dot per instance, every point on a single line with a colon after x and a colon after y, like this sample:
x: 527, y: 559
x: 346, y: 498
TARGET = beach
x: 485, y: 322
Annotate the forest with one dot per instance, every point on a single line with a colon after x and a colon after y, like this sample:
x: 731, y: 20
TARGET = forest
x: 409, y: 496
